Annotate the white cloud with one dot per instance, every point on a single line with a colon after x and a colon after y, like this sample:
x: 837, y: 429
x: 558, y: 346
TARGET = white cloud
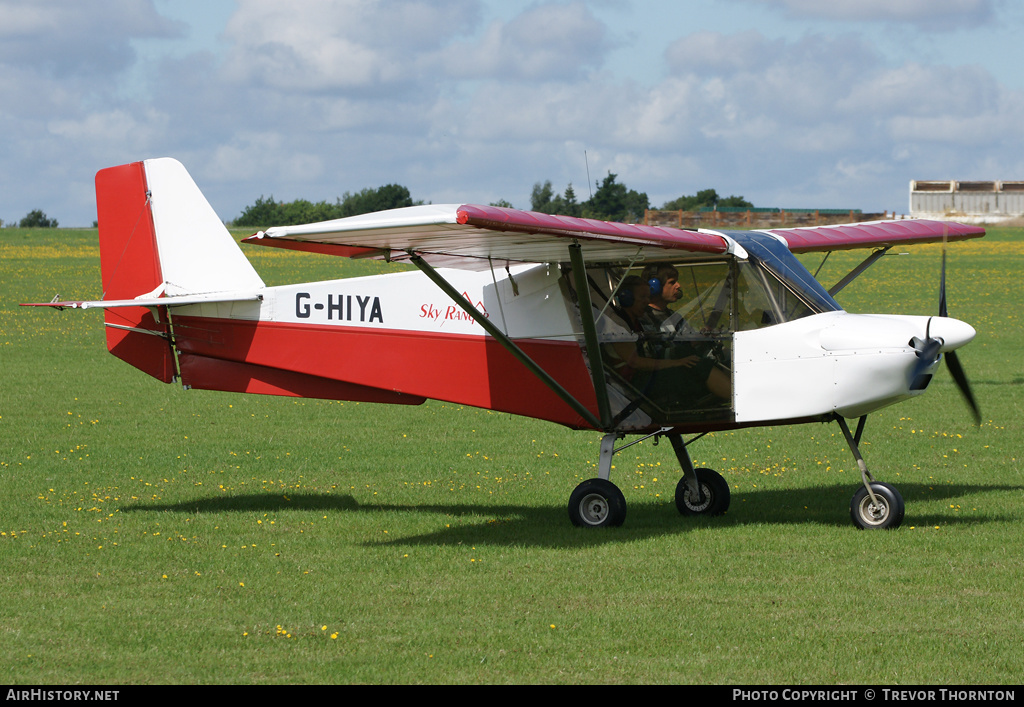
x: 266, y: 154
x: 826, y: 115
x: 362, y: 45
x: 70, y: 37
x: 105, y: 129
x: 717, y: 53
x: 547, y: 42
x: 943, y: 15
x: 313, y: 45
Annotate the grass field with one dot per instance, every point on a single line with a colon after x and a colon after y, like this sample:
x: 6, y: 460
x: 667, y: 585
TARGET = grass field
x: 154, y: 535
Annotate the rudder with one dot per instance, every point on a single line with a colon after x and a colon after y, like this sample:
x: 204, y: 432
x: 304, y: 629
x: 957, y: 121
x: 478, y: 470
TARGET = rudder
x: 130, y: 266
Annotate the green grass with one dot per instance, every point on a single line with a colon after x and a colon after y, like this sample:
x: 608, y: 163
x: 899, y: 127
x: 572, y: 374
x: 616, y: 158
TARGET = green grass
x: 155, y: 535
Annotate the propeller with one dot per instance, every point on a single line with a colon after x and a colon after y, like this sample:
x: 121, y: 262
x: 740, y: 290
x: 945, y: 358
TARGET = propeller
x: 957, y: 371
x: 930, y: 349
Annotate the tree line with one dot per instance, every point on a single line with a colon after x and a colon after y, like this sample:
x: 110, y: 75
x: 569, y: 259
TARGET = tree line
x: 35, y: 218
x: 613, y: 201
x: 610, y: 201
x: 266, y: 212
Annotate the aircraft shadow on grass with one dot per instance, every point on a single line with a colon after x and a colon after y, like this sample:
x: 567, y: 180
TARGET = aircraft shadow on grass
x: 548, y: 526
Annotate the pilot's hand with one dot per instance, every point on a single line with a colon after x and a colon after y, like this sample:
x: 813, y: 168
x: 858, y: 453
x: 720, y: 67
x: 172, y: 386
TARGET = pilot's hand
x: 688, y: 361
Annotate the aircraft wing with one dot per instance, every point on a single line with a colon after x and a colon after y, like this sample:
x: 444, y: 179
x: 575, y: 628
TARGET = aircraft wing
x: 474, y: 237
x: 875, y: 234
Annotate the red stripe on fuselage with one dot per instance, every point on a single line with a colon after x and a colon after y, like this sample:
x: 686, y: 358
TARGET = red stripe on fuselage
x: 469, y: 370
x: 207, y: 373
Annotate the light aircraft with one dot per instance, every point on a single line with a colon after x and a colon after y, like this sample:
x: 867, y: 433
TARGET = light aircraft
x: 526, y: 313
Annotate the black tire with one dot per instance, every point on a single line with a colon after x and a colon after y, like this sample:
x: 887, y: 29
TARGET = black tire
x: 887, y: 514
x: 714, y: 491
x: 597, y: 503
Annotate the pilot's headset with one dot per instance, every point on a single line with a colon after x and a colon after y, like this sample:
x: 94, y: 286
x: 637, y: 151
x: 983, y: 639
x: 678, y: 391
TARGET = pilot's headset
x: 653, y: 280
x: 625, y: 297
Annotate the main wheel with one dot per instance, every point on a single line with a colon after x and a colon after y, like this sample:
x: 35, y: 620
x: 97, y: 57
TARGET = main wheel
x: 597, y: 503
x: 714, y: 495
x: 886, y: 513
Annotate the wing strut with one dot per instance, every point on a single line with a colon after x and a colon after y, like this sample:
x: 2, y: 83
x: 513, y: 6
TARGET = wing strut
x: 579, y: 272
x: 506, y: 342
x: 855, y: 273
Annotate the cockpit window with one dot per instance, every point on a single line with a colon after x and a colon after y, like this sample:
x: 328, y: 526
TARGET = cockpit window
x: 775, y: 257
x: 666, y: 330
x: 705, y: 299
x: 721, y: 297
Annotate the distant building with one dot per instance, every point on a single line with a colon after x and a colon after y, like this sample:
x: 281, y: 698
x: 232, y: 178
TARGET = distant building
x: 970, y: 202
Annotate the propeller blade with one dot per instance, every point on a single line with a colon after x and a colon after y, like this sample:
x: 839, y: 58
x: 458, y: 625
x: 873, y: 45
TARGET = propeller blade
x: 942, y: 277
x: 942, y: 285
x: 957, y: 371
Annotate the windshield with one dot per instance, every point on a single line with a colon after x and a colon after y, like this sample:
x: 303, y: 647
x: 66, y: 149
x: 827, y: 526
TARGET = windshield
x: 784, y: 267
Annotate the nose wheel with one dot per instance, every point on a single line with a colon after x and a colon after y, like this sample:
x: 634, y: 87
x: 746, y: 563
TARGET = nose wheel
x: 876, y: 505
x: 882, y: 508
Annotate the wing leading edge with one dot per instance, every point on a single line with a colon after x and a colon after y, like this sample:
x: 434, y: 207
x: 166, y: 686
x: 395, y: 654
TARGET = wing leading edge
x: 874, y: 234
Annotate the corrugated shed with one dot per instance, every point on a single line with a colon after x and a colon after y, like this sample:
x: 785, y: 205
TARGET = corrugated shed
x: 971, y: 201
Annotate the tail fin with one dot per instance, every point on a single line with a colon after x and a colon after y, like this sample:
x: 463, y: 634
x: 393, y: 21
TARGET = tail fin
x: 159, y: 236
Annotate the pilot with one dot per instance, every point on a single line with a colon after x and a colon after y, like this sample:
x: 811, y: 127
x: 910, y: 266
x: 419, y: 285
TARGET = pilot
x: 628, y: 349
x: 664, y: 288
x: 663, y: 281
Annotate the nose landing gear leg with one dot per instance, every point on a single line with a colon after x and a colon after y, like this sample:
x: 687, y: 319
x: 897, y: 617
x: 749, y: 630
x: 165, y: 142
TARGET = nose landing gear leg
x: 876, y: 504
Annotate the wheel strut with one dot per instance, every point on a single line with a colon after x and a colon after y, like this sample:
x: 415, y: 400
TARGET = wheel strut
x: 853, y: 441
x: 608, y: 450
x: 701, y: 491
x: 689, y: 473
x: 876, y: 505
x: 604, y: 464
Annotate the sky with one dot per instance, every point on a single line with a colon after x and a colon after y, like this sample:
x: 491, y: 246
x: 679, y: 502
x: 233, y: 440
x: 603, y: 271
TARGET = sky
x: 789, y: 103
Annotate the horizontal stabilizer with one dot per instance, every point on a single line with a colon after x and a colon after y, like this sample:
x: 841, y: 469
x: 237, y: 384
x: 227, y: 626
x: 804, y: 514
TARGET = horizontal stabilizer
x: 178, y: 301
